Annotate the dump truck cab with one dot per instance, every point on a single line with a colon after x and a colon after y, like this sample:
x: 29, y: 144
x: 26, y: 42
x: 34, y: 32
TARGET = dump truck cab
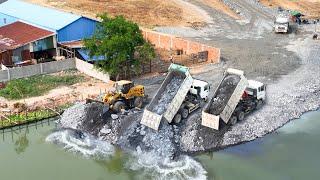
x: 281, y: 24
x: 256, y: 89
x: 200, y: 88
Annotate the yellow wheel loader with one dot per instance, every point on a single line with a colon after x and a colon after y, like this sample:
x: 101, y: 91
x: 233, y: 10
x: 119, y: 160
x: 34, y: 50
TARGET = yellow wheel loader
x: 126, y: 96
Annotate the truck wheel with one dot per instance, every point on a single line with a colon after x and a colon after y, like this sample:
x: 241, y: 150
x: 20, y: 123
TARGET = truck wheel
x: 177, y: 118
x: 259, y: 104
x: 240, y: 116
x: 233, y: 120
x: 138, y: 102
x: 184, y: 113
x: 119, y: 106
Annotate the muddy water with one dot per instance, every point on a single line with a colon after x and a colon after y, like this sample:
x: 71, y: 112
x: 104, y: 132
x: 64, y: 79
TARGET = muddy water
x: 40, y: 154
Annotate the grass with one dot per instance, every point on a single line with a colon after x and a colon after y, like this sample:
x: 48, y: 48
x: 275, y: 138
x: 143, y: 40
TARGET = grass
x: 36, y: 85
x: 22, y: 118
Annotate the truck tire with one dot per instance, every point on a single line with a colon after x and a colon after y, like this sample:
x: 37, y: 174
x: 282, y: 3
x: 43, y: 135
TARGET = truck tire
x: 259, y: 104
x: 177, y: 118
x: 184, y: 113
x: 138, y: 102
x: 233, y: 120
x: 240, y: 116
x: 119, y: 106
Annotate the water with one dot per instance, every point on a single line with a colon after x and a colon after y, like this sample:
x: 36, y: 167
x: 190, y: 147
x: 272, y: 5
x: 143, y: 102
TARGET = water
x: 291, y: 153
x: 41, y: 154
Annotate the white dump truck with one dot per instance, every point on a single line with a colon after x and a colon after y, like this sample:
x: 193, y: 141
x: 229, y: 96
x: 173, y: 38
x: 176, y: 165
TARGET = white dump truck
x: 178, y: 96
x: 281, y: 24
x: 233, y: 99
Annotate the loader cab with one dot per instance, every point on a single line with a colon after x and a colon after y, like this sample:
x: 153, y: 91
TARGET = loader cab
x: 256, y: 89
x: 123, y: 86
x: 200, y: 88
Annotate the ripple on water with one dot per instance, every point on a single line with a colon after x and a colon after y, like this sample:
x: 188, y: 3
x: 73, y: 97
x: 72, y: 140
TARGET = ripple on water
x: 78, y: 142
x: 153, y: 167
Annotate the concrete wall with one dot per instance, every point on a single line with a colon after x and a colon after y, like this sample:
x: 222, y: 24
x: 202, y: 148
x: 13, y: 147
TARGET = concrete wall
x: 170, y: 42
x: 91, y: 71
x: 52, y: 67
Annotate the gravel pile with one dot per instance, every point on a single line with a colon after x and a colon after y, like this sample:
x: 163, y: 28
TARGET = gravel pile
x: 224, y: 93
x: 167, y: 95
x: 82, y: 115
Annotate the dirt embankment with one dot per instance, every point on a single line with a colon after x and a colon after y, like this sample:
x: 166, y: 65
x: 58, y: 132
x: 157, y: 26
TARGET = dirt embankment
x: 146, y: 13
x: 311, y: 8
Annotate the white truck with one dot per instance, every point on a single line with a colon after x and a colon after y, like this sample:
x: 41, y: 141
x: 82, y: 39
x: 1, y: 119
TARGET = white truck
x: 239, y: 97
x: 281, y: 24
x: 186, y: 99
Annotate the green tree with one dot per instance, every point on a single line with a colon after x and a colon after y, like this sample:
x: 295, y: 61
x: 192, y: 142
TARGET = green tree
x: 117, y: 40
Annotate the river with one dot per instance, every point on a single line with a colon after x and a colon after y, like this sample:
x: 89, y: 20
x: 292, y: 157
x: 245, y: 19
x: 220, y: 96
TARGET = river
x: 34, y: 154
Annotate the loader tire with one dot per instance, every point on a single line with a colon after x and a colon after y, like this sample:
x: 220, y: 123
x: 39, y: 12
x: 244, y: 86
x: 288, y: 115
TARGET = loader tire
x: 177, y: 118
x: 119, y: 106
x: 138, y: 102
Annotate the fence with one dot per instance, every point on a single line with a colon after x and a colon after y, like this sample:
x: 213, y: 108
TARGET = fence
x: 37, y: 69
x: 90, y: 70
x: 170, y: 42
x: 10, y: 119
x: 52, y: 67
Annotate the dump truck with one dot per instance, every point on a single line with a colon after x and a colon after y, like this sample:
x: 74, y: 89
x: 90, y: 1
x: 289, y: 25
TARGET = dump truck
x: 195, y: 98
x: 171, y: 96
x: 234, y: 97
x: 281, y: 24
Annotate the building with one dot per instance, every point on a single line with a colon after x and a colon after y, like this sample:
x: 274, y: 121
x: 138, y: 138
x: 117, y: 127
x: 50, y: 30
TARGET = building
x: 68, y: 27
x: 20, y: 43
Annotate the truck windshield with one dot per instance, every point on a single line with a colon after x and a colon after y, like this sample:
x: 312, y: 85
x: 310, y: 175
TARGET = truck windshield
x: 284, y: 24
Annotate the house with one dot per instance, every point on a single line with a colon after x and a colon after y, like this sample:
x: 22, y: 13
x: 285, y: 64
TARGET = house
x: 21, y: 42
x: 68, y: 27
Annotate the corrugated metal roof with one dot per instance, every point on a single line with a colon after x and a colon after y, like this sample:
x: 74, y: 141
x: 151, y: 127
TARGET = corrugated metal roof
x: 38, y: 15
x: 18, y: 34
x: 85, y: 55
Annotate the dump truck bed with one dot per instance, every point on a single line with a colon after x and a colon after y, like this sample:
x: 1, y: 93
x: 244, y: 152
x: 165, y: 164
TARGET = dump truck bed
x: 168, y: 98
x: 225, y: 99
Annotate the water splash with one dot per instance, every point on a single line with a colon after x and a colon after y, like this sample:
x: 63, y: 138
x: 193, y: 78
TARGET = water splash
x: 152, y: 166
x: 79, y: 142
x: 149, y: 164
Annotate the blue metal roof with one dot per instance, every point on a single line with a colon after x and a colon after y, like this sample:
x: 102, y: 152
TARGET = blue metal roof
x: 85, y: 55
x: 38, y: 15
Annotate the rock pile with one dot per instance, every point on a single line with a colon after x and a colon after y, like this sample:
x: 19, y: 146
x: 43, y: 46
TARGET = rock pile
x: 224, y: 93
x: 167, y: 95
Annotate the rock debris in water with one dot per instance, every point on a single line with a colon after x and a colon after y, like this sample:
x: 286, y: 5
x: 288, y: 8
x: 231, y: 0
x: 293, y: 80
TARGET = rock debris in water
x: 167, y: 95
x: 224, y: 93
